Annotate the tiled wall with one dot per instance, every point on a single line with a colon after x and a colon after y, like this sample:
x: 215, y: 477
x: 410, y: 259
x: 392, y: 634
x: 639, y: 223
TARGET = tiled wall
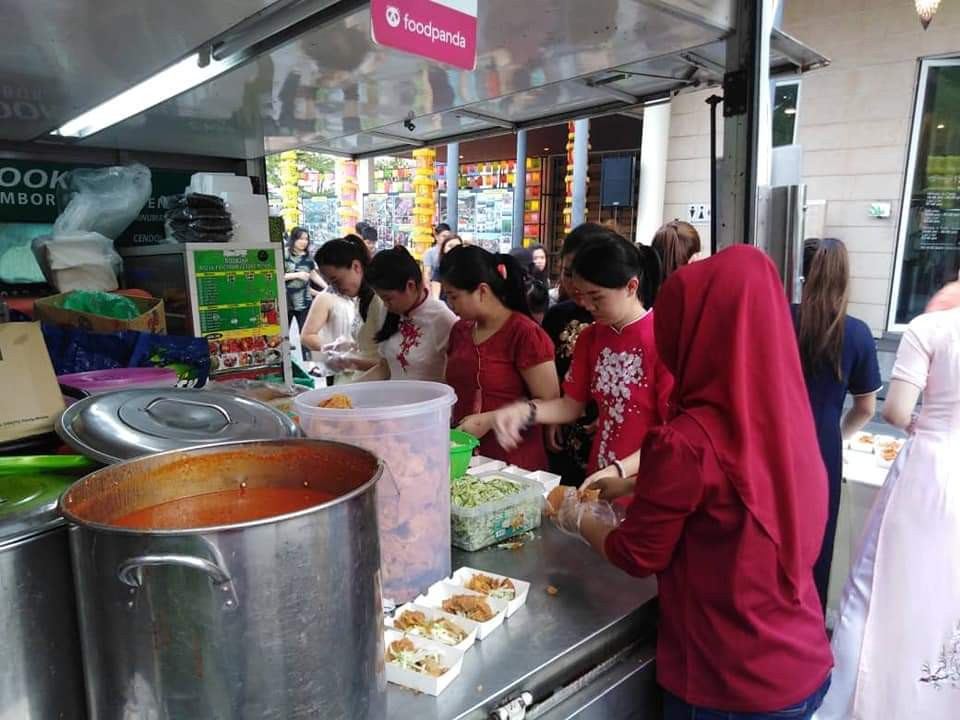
x: 853, y: 122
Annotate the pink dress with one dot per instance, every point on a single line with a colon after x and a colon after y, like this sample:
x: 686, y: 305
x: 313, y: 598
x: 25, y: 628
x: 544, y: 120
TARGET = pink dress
x: 897, y: 644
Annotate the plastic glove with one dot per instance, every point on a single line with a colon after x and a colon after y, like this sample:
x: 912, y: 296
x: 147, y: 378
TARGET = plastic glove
x: 572, y: 512
x: 509, y: 423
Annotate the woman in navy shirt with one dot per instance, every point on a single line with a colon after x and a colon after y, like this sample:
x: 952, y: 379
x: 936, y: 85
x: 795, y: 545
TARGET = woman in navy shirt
x: 839, y: 356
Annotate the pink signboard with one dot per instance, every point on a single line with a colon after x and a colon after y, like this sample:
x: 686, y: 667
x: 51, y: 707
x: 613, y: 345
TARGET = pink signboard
x: 441, y: 30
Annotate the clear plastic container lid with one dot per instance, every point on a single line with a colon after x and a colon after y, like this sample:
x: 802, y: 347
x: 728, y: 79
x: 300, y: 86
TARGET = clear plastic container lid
x: 98, y: 382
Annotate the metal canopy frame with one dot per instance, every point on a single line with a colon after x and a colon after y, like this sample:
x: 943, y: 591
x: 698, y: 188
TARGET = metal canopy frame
x: 316, y: 81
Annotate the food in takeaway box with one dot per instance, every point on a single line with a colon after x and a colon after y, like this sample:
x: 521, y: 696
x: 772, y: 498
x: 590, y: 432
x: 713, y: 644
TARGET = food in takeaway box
x: 499, y: 588
x: 471, y: 607
x: 866, y: 439
x: 439, y: 629
x: 403, y: 653
x: 889, y: 450
x: 338, y: 401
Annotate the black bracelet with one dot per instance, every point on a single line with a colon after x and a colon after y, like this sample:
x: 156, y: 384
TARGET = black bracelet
x: 532, y: 417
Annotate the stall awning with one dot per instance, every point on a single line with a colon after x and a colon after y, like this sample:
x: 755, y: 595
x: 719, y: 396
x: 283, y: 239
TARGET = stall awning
x: 330, y: 89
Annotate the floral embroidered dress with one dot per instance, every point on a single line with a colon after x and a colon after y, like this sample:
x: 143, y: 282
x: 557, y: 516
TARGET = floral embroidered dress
x: 418, y: 350
x: 897, y: 644
x: 621, y: 371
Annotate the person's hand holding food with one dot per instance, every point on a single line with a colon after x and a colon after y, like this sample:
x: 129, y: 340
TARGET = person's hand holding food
x: 609, y: 484
x: 571, y: 508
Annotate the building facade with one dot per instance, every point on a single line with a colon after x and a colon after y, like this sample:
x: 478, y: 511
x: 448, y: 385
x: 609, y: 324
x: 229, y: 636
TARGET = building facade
x: 880, y: 135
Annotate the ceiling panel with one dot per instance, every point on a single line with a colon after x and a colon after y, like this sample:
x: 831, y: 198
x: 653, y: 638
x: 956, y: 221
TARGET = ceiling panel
x: 333, y: 82
x: 61, y: 57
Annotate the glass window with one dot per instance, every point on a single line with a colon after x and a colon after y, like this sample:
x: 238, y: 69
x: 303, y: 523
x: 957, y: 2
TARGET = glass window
x: 928, y: 252
x: 786, y: 96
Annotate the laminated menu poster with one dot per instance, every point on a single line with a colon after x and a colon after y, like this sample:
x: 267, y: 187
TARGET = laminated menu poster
x: 240, y: 308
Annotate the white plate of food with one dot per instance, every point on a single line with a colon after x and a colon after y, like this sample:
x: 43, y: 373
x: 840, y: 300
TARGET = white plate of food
x: 863, y: 442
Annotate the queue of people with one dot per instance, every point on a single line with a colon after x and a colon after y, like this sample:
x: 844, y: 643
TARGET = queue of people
x: 689, y: 395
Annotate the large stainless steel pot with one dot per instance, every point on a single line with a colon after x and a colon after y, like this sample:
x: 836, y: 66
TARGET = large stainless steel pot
x: 277, y: 618
x: 41, y: 677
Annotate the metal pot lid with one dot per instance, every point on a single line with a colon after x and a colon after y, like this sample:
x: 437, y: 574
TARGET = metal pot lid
x: 28, y: 503
x: 130, y: 423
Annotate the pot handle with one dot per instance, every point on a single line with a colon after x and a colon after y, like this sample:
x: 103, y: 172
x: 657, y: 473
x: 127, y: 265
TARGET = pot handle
x: 196, y: 403
x: 129, y: 571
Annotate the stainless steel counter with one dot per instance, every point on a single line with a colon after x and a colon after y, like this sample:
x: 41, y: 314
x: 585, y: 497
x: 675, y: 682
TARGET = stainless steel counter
x: 548, y: 646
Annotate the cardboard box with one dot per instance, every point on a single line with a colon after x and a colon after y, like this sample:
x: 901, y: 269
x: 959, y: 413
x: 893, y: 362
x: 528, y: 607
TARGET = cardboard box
x: 152, y: 318
x: 25, y: 365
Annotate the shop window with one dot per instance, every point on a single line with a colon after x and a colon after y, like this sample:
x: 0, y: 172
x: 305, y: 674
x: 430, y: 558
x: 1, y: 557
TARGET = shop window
x: 786, y: 101
x: 928, y: 251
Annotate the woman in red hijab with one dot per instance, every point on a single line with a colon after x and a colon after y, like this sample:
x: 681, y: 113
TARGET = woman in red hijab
x: 730, y: 502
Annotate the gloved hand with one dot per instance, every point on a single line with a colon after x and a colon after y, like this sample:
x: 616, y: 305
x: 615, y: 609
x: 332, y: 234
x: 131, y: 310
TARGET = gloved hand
x: 572, y: 512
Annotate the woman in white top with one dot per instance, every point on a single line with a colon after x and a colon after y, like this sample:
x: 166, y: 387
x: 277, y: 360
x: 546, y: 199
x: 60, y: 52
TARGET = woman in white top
x: 413, y: 339
x: 897, y: 643
x: 343, y: 264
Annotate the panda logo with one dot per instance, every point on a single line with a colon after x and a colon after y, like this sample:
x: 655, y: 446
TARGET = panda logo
x: 393, y: 16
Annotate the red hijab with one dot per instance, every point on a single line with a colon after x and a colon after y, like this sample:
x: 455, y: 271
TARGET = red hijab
x: 723, y: 328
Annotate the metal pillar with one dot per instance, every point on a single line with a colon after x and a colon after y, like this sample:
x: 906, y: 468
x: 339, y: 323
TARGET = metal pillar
x: 748, y: 71
x: 453, y: 185
x: 519, y: 188
x: 654, y: 141
x: 581, y: 162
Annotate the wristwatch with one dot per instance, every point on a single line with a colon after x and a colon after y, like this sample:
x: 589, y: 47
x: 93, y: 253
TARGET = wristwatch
x: 532, y: 415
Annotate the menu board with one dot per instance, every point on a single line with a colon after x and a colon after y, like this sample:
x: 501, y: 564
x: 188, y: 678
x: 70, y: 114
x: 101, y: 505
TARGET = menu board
x: 939, y: 220
x: 238, y: 309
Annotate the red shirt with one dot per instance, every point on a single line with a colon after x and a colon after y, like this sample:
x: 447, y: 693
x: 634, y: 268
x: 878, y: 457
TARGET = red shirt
x: 730, y: 637
x: 486, y: 377
x: 622, y: 372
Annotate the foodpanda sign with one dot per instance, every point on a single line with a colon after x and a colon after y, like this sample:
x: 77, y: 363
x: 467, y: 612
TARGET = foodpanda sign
x: 441, y: 30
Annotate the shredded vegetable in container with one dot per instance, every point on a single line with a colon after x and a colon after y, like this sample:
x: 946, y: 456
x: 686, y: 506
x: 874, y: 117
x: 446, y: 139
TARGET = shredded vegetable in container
x: 487, y: 509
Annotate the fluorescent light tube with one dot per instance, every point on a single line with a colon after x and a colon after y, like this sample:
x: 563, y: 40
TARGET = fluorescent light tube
x: 176, y: 79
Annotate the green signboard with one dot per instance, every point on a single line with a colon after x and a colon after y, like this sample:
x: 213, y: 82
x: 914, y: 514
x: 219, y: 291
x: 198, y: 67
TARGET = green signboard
x: 237, y: 301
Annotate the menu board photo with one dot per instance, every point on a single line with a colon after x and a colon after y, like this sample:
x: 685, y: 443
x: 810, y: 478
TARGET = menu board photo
x: 239, y: 307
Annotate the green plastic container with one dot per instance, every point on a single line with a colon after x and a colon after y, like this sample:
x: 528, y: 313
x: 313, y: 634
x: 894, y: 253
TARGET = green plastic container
x: 462, y: 446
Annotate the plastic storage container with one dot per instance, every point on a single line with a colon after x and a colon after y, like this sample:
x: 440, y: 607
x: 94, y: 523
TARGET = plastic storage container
x: 406, y: 424
x: 97, y: 382
x: 473, y: 528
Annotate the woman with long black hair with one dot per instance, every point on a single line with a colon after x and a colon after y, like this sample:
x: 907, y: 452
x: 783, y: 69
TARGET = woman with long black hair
x: 413, y: 339
x: 299, y: 271
x: 615, y: 361
x: 497, y: 353
x: 343, y: 264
